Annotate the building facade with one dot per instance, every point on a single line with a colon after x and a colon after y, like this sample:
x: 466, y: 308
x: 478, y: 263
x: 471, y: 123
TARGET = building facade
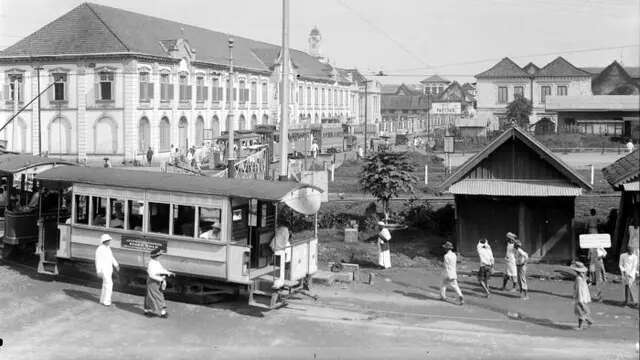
x: 118, y: 82
x: 497, y: 86
x: 434, y: 85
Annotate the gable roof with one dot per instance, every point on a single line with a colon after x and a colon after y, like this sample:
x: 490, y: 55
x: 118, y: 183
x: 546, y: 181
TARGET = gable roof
x: 633, y: 71
x: 389, y: 89
x: 528, y: 140
x: 612, y: 78
x: 531, y: 68
x: 505, y: 68
x: 408, y: 90
x: 91, y: 29
x: 560, y: 67
x: 624, y: 170
x: 434, y: 79
x: 455, y: 92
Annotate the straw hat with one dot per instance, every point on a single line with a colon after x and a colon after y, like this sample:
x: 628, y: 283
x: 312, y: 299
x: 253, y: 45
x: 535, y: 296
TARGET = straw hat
x: 578, y: 267
x: 155, y: 252
x: 105, y: 237
x: 512, y: 236
x: 448, y: 245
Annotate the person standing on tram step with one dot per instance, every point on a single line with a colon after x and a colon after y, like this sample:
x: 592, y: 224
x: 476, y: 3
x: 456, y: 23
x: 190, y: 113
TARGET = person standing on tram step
x: 282, y: 250
x: 628, y: 265
x: 149, y: 156
x: 154, y: 303
x: 105, y: 263
x: 581, y: 296
x: 449, y: 275
x: 521, y: 264
x: 384, y: 252
x: 510, y: 271
x: 486, y: 264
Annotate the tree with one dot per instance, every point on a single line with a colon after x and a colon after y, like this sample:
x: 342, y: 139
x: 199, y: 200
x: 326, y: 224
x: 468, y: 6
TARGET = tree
x: 519, y: 110
x: 385, y: 174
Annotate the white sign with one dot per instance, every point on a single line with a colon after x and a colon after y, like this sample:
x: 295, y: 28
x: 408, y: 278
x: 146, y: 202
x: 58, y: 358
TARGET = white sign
x: 590, y: 241
x: 446, y: 108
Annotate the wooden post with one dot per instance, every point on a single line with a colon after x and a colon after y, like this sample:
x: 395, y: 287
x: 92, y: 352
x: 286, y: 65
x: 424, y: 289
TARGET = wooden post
x: 522, y: 216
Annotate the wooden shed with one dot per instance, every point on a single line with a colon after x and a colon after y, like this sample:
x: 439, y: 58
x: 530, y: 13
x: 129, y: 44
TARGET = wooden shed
x: 624, y: 176
x: 516, y: 184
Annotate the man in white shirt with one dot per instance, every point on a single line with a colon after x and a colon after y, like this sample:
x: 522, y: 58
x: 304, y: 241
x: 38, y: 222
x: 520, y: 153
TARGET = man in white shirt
x: 105, y: 262
x: 314, y: 150
x: 521, y: 263
x: 628, y: 270
x: 486, y: 264
x: 449, y: 275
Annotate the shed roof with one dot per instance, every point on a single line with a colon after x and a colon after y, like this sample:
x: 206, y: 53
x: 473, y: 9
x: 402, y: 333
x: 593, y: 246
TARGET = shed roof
x: 593, y: 103
x: 624, y: 170
x: 241, y: 188
x: 529, y: 141
x: 516, y: 187
x: 12, y: 163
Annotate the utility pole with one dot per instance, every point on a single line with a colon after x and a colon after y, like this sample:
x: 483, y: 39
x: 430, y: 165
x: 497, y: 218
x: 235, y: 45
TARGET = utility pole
x: 284, y: 94
x: 38, y: 68
x: 15, y: 111
x: 366, y: 83
x: 231, y: 155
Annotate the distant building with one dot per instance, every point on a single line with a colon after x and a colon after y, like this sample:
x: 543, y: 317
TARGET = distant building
x: 451, y: 106
x: 498, y: 85
x: 404, y: 113
x: 434, y: 85
x: 615, y: 80
x: 402, y: 89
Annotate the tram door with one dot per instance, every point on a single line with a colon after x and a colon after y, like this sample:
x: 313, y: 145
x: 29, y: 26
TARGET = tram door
x: 53, y: 216
x: 260, y: 232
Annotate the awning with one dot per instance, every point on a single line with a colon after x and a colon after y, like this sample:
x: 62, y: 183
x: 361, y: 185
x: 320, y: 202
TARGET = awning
x: 514, y: 188
x: 306, y: 201
x: 632, y: 186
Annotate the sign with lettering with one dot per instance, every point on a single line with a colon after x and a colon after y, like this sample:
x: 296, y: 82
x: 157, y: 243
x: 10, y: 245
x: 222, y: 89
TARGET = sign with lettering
x: 590, y: 241
x: 138, y: 243
x: 446, y: 108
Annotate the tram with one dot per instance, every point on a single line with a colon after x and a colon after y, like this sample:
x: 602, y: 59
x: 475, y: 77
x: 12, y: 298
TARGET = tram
x: 175, y: 212
x: 18, y: 205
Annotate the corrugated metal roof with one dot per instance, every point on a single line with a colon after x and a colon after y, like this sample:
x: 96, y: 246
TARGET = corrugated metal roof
x: 12, y: 163
x: 242, y: 188
x: 593, y: 103
x: 514, y: 188
x: 625, y: 169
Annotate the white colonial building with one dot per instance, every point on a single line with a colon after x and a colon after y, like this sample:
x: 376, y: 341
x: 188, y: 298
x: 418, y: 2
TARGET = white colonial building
x: 120, y: 82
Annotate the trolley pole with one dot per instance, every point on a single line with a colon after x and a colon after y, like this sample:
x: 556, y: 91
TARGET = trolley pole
x: 284, y: 94
x: 231, y: 155
x: 39, y: 122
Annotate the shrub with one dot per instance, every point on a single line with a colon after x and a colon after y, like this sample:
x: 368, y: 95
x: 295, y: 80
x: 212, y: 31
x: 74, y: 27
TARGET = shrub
x: 421, y: 215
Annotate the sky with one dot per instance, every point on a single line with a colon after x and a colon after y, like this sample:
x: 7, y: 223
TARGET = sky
x: 406, y: 39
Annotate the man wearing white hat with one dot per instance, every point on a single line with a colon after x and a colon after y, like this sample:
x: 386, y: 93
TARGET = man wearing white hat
x: 105, y: 262
x: 384, y: 253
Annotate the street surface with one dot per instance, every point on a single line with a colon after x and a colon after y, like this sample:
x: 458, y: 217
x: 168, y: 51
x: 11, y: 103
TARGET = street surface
x: 399, y: 317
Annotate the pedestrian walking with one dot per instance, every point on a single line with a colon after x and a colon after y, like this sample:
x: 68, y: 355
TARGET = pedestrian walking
x: 360, y: 152
x: 510, y: 271
x: 628, y: 265
x: 581, y: 296
x: 105, y: 263
x: 597, y: 273
x: 149, y: 156
x: 521, y: 265
x: 154, y: 303
x: 314, y: 150
x: 449, y: 275
x: 630, y: 146
x: 384, y: 252
x: 592, y: 222
x: 486, y: 264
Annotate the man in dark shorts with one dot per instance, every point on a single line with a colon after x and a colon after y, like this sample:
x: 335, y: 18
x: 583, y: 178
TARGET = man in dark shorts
x: 486, y: 264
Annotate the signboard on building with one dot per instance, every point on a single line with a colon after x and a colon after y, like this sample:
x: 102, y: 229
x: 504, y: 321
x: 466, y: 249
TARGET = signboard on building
x: 446, y: 108
x: 138, y: 243
x: 590, y: 241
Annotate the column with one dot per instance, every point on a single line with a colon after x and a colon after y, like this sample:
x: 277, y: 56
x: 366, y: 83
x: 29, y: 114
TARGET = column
x: 129, y: 101
x: 81, y: 128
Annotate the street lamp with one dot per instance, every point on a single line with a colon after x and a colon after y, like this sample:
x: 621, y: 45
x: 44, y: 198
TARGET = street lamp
x: 230, y: 130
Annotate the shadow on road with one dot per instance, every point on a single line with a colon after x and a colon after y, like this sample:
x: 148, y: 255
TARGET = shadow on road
x: 87, y: 296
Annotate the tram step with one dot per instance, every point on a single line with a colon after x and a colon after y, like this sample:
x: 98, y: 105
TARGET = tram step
x: 48, y: 267
x: 266, y: 300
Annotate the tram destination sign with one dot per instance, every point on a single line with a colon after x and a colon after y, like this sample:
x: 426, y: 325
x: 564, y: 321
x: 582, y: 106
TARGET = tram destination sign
x: 138, y: 243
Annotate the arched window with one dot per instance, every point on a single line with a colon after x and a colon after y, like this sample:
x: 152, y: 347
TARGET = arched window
x: 183, y: 139
x: 199, y: 131
x: 105, y: 137
x: 265, y: 119
x: 215, y: 126
x: 144, y: 135
x: 242, y: 123
x: 59, y: 136
x: 165, y: 134
x: 254, y: 121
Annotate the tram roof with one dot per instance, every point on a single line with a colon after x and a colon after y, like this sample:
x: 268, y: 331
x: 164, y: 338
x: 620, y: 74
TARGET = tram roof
x: 13, y: 163
x: 139, y: 179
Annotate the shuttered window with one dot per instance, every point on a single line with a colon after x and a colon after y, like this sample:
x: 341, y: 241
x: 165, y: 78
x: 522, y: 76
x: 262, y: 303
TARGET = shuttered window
x: 254, y: 93
x: 146, y: 87
x: 185, y: 89
x: 216, y: 90
x: 105, y: 86
x: 544, y: 92
x: 265, y: 93
x: 59, y: 92
x: 166, y: 88
x: 503, y: 95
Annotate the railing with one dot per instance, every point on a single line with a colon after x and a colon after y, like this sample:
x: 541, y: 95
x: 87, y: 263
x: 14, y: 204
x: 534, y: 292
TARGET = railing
x: 251, y: 167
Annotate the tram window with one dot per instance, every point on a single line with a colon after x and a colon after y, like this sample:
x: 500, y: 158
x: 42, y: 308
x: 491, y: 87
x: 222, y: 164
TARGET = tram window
x: 209, y: 223
x: 99, y: 215
x: 183, y: 220
x: 82, y: 209
x: 159, y: 218
x: 117, y: 213
x: 136, y: 213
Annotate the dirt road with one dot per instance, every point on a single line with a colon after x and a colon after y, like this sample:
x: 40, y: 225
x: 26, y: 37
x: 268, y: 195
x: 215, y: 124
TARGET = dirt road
x: 397, y: 318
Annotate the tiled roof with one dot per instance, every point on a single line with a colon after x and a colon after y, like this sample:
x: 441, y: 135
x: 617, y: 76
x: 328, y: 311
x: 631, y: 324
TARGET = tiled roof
x: 593, y: 103
x: 455, y: 92
x: 96, y: 29
x: 389, y: 88
x: 527, y: 139
x: 633, y: 71
x: 505, y: 68
x: 531, y: 68
x: 404, y: 102
x: 560, y: 67
x: 514, y: 188
x: 623, y: 170
x: 434, y: 79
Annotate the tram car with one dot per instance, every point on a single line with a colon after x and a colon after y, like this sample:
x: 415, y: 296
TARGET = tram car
x: 246, y: 142
x: 18, y: 199
x: 177, y: 213
x: 330, y: 135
